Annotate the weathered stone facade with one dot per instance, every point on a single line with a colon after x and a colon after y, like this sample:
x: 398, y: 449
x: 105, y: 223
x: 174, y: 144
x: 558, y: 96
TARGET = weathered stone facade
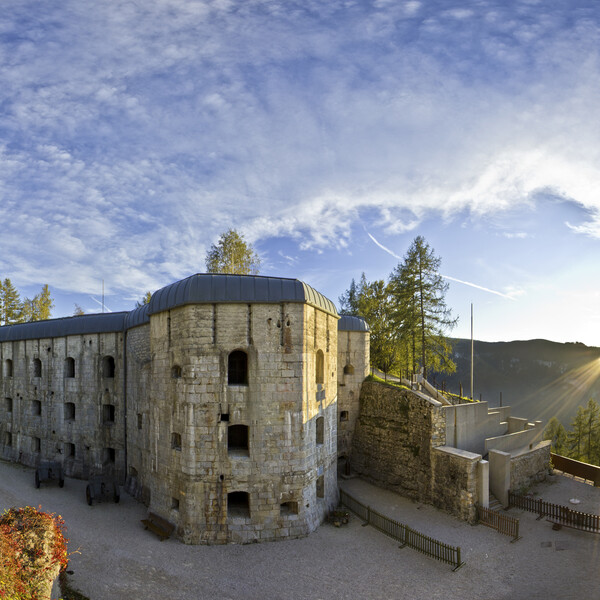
x: 220, y: 409
x: 353, y: 367
x: 395, y: 434
x: 530, y: 467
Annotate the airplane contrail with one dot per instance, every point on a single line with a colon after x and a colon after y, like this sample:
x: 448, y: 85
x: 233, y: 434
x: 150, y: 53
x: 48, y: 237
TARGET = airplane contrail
x: 473, y: 285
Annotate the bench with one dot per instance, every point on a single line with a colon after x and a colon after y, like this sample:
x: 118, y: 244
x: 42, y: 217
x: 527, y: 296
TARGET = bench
x: 161, y: 527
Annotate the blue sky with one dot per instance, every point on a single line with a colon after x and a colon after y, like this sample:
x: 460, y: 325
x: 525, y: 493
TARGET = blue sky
x: 330, y: 133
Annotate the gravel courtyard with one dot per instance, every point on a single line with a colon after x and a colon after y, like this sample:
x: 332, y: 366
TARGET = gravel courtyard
x: 114, y: 558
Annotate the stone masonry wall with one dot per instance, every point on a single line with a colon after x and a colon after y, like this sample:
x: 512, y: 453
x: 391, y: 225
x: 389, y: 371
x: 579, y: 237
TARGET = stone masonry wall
x: 353, y: 367
x: 48, y: 412
x: 288, y: 476
x: 395, y: 433
x: 454, y: 481
x: 530, y: 467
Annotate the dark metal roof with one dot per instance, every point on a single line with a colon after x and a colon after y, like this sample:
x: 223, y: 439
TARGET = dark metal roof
x: 99, y: 323
x: 348, y: 323
x: 197, y: 289
x: 137, y: 316
x: 210, y: 288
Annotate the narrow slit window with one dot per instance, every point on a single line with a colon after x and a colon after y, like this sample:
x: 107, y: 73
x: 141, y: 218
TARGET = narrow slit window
x: 69, y: 411
x: 320, y: 430
x: 36, y: 408
x: 237, y: 440
x: 70, y: 367
x: 8, y: 368
x: 108, y: 367
x: 320, y: 486
x: 37, y: 367
x: 108, y: 413
x: 237, y: 368
x: 176, y: 441
x: 8, y: 405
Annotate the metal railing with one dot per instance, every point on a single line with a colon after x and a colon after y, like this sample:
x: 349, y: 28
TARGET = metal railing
x: 576, y: 468
x: 496, y: 520
x: 403, y: 533
x: 563, y: 515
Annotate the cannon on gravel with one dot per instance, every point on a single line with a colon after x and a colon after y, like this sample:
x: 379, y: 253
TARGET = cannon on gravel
x: 49, y: 470
x: 101, y: 488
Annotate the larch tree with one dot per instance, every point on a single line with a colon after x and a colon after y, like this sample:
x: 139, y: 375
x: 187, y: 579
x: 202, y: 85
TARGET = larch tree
x: 10, y: 303
x: 421, y: 314
x: 232, y: 255
x: 557, y: 434
x: 144, y: 300
x: 39, y: 308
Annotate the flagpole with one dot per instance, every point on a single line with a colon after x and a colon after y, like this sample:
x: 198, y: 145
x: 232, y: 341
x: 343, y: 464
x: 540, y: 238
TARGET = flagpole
x: 471, y: 351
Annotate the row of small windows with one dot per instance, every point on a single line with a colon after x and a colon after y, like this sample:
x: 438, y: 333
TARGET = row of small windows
x: 237, y: 368
x: 108, y: 367
x: 237, y: 440
x: 108, y: 410
x: 108, y: 454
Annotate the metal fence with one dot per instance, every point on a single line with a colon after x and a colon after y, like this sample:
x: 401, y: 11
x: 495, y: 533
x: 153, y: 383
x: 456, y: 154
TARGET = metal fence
x: 403, y: 533
x: 563, y: 515
x: 496, y: 520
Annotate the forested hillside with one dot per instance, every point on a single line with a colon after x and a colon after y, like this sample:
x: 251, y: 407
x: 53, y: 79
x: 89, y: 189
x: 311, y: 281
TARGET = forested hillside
x: 538, y: 378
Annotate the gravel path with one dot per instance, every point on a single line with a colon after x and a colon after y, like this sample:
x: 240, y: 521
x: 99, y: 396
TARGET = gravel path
x: 117, y: 559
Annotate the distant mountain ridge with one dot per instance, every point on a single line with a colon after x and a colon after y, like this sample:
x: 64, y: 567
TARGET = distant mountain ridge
x: 539, y: 379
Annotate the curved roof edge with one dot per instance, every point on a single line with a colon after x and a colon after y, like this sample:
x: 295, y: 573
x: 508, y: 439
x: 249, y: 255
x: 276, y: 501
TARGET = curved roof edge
x: 207, y: 288
x: 349, y: 323
x: 138, y: 316
x: 98, y: 323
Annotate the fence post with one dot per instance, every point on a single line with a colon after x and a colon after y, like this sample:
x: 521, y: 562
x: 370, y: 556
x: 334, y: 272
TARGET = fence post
x: 459, y: 562
x: 368, y: 517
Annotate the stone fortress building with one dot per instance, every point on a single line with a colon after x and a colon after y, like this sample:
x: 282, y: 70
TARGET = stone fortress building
x: 216, y: 403
x: 230, y: 403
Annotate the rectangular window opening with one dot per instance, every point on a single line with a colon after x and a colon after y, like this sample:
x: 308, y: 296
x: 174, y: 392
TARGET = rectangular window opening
x: 288, y: 508
x: 237, y: 440
x: 238, y: 504
x: 108, y: 413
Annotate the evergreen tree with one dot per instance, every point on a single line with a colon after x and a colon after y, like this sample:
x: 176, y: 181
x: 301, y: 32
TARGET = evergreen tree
x: 555, y: 432
x: 349, y: 300
x: 10, y: 303
x: 233, y: 255
x: 420, y: 311
x: 592, y: 428
x: 576, y: 436
x: 374, y: 307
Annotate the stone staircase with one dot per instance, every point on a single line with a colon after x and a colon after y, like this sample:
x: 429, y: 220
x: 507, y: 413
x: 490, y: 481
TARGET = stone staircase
x: 495, y: 503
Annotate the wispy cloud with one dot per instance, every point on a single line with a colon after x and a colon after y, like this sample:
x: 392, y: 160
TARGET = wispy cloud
x: 135, y: 133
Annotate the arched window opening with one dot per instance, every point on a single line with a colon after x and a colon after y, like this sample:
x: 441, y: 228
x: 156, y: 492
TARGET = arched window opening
x: 69, y: 411
x: 237, y: 368
x: 69, y: 367
x: 108, y: 456
x: 237, y: 440
x: 176, y: 441
x: 176, y: 372
x: 8, y: 368
x: 37, y: 367
x: 108, y: 367
x: 348, y: 370
x: 320, y: 367
x: 238, y: 504
x: 320, y: 430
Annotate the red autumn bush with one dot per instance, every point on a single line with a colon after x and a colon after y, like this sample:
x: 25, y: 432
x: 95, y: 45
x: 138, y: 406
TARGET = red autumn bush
x: 33, y: 550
